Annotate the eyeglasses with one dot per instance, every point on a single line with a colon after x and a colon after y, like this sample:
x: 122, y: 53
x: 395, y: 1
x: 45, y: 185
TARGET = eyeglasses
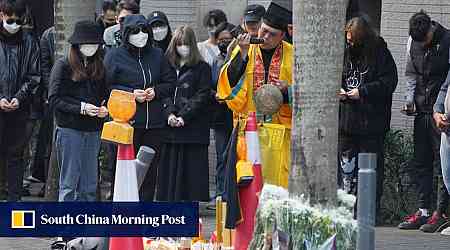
x: 139, y: 29
x: 14, y: 20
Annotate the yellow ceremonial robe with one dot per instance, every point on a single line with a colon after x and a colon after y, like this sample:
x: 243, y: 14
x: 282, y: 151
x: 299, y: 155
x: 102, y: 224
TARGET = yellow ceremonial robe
x: 275, y: 136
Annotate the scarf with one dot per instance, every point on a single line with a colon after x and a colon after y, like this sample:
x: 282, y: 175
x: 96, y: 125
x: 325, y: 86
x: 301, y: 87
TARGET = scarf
x: 259, y: 74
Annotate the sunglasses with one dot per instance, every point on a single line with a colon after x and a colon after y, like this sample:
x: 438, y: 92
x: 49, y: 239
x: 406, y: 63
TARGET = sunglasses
x: 12, y: 20
x: 139, y: 29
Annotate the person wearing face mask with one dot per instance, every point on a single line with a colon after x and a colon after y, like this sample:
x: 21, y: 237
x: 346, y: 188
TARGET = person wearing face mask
x: 19, y: 78
x: 162, y: 33
x: 222, y: 117
x: 139, y: 68
x: 208, y: 48
x: 369, y: 79
x: 112, y: 35
x: 108, y: 17
x: 78, y: 95
x: 183, y: 169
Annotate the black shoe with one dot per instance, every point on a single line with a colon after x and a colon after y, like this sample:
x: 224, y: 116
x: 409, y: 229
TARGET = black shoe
x: 26, y: 192
x: 436, y: 223
x: 3, y: 195
x: 41, y: 192
x: 413, y: 222
x: 59, y: 244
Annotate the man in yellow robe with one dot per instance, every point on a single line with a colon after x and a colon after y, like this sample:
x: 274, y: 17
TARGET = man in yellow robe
x: 251, y: 66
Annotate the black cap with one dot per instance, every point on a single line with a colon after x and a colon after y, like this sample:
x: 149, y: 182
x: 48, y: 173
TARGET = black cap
x: 86, y: 32
x: 254, y: 13
x: 277, y: 17
x: 157, y: 16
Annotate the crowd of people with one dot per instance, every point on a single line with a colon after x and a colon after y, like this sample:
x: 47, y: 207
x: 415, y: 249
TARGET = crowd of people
x: 184, y: 88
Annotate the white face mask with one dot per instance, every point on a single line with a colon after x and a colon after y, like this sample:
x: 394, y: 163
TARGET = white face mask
x: 183, y: 51
x: 11, y: 28
x: 138, y: 40
x: 88, y: 50
x: 159, y: 33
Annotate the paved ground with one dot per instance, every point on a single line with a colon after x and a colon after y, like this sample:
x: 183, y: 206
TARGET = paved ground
x: 386, y: 239
x: 394, y: 239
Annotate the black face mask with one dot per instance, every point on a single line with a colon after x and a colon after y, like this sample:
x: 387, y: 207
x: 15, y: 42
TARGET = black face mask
x: 355, y: 49
x: 223, y: 46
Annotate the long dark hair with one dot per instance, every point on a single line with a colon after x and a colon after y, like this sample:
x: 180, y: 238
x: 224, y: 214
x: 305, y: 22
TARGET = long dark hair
x: 93, y: 70
x: 184, y: 35
x: 365, y: 40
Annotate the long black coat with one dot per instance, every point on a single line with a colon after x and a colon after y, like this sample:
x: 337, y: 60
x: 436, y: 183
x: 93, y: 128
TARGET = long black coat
x: 371, y: 115
x: 190, y: 102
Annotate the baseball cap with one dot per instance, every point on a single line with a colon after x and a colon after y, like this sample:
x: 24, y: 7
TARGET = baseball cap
x: 254, y: 13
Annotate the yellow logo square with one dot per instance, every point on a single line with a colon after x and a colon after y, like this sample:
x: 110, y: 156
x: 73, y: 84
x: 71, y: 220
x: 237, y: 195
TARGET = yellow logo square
x: 21, y: 219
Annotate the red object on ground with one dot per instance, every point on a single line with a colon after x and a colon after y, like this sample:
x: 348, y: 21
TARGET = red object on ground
x: 249, y: 195
x: 126, y: 243
x: 125, y: 158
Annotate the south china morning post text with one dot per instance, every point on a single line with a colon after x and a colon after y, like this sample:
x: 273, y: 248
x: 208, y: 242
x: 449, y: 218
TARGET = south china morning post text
x: 99, y: 219
x: 114, y: 219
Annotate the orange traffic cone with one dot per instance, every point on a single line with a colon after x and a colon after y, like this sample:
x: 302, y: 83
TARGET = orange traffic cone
x: 248, y: 195
x: 126, y: 190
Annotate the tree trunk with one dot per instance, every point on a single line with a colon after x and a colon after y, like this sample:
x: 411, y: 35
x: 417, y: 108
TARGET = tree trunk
x: 67, y: 13
x: 319, y: 43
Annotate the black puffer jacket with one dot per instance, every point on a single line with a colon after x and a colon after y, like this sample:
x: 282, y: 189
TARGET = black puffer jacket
x: 129, y: 68
x: 20, y: 70
x: 376, y: 82
x: 428, y: 68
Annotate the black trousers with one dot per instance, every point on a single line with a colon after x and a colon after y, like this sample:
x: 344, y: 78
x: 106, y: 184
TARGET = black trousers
x: 43, y: 148
x: 354, y: 144
x: 426, y: 162
x: 152, y: 138
x: 15, y: 131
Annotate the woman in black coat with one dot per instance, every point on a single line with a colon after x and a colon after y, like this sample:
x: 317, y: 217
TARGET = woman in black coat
x: 78, y: 96
x: 368, y: 81
x: 139, y: 68
x: 183, y: 168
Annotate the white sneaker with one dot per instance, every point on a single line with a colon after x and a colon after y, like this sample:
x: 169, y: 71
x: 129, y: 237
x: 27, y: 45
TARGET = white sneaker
x: 446, y: 231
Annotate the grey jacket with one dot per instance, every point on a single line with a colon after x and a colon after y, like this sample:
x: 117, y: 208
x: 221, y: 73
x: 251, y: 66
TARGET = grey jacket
x: 439, y: 106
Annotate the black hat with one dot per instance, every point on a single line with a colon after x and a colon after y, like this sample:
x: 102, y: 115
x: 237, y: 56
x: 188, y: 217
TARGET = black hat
x: 86, y: 32
x: 277, y: 17
x: 157, y: 16
x: 254, y: 13
x: 286, y: 4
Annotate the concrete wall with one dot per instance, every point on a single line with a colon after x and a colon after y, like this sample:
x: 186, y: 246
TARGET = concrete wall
x: 394, y: 29
x: 192, y: 12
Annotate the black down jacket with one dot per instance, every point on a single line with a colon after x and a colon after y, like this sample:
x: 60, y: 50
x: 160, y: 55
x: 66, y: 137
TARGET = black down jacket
x: 20, y: 70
